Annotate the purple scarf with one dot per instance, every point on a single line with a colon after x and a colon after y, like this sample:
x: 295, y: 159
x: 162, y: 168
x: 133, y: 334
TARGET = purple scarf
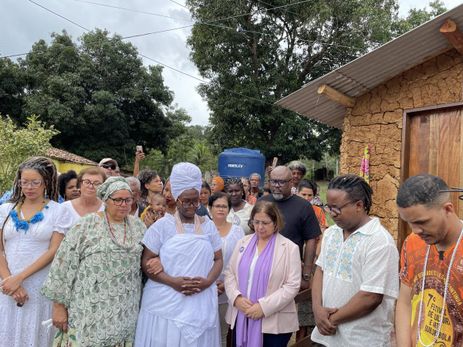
x: 249, y: 331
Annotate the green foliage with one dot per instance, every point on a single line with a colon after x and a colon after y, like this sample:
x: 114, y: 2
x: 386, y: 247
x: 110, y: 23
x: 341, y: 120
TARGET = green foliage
x: 417, y: 17
x: 12, y: 83
x: 253, y: 60
x: 270, y: 53
x: 191, y: 146
x: 17, y: 144
x: 96, y: 92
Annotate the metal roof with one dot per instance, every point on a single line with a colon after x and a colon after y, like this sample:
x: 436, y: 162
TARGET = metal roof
x: 372, y: 69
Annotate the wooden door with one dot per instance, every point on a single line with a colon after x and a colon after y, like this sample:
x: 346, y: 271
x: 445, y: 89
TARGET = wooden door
x: 433, y: 145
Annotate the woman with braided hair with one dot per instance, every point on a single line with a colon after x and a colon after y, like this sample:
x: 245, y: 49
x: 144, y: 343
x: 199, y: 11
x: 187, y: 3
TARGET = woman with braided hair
x: 356, y: 281
x: 32, y: 226
x: 240, y: 209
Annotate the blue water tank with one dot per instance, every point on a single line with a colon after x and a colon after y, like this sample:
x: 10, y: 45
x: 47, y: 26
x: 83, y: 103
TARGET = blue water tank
x: 241, y: 162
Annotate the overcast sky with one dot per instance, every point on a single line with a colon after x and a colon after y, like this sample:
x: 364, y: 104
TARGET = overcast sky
x: 24, y: 23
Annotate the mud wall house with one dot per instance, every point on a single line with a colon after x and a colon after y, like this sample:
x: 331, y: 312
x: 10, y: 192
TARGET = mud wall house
x: 66, y: 161
x: 405, y: 101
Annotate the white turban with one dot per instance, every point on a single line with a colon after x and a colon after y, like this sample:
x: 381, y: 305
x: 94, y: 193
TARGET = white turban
x: 185, y: 176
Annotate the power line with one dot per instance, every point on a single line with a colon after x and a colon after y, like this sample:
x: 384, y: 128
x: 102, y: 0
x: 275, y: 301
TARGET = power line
x: 238, y: 15
x: 160, y: 63
x: 210, y: 23
x: 57, y: 14
x: 132, y: 10
x: 177, y: 3
x: 203, y: 81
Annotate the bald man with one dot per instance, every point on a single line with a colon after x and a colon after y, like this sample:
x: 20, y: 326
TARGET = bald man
x: 301, y: 224
x: 301, y: 227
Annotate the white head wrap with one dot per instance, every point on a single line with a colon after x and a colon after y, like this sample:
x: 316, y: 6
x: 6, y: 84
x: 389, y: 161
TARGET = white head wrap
x: 185, y: 176
x: 111, y: 185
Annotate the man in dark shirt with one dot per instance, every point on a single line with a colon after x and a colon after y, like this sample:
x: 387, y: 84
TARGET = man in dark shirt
x: 301, y: 224
x: 301, y: 227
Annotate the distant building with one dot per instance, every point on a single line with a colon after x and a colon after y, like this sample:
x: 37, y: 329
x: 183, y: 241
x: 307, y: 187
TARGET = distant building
x: 66, y: 161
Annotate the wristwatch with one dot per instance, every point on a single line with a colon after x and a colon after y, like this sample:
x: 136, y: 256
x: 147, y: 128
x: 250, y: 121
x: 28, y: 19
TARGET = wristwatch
x: 306, y: 277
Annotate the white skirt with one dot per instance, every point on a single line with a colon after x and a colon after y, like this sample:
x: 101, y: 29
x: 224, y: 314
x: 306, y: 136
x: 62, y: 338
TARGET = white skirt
x: 22, y: 326
x: 154, y: 331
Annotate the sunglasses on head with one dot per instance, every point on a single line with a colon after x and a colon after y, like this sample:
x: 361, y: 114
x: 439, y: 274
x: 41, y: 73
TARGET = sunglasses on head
x: 109, y: 166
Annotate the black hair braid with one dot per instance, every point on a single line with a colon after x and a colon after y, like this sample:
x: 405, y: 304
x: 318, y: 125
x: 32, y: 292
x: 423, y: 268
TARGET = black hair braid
x: 355, y: 187
x: 46, y: 169
x: 234, y: 180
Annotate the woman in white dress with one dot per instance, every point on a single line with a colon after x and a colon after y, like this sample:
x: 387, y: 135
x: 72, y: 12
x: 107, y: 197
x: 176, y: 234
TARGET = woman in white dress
x: 179, y: 306
x: 220, y: 205
x: 88, y: 181
x: 32, y: 226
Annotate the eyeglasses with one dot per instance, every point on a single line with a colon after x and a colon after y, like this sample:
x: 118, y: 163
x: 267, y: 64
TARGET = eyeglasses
x: 188, y: 203
x: 89, y: 183
x: 220, y: 207
x: 120, y: 201
x: 336, y: 211
x: 32, y: 184
x: 108, y: 166
x: 264, y: 223
x: 278, y: 182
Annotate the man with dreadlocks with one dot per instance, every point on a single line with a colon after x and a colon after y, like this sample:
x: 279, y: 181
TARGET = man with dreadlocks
x: 356, y: 280
x: 240, y: 209
x: 32, y: 225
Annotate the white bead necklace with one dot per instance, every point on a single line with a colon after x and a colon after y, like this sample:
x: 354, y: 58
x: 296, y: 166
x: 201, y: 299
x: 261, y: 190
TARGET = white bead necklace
x: 447, y: 279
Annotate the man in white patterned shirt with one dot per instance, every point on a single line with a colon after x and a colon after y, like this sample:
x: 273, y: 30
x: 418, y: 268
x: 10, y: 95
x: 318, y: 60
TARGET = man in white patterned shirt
x: 356, y: 280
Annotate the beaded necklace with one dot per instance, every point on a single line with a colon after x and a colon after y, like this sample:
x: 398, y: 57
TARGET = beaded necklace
x: 24, y: 224
x: 447, y: 279
x: 111, y: 232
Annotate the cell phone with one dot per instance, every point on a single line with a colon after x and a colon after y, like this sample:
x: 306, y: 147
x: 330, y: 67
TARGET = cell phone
x: 275, y: 162
x: 139, y: 149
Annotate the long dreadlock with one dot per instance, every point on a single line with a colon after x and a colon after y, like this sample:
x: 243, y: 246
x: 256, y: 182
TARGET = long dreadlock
x: 46, y: 169
x: 355, y: 187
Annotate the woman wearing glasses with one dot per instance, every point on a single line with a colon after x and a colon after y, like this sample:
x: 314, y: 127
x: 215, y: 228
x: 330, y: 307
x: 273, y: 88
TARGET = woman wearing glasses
x: 95, y: 279
x: 32, y: 225
x: 88, y: 181
x: 179, y: 306
x: 261, y: 281
x: 220, y: 205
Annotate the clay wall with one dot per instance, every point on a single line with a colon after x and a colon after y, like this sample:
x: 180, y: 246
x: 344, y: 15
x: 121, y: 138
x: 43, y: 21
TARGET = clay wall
x: 377, y: 120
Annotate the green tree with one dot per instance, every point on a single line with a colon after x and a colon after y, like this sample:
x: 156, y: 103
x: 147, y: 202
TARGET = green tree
x: 191, y: 146
x: 262, y: 50
x: 13, y: 82
x: 17, y: 144
x: 99, y: 95
x: 417, y: 17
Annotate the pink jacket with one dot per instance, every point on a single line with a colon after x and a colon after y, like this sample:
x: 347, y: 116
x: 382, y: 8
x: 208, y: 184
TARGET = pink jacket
x: 280, y: 313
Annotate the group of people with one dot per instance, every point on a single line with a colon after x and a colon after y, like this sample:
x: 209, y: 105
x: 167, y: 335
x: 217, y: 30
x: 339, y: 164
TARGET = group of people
x: 143, y: 262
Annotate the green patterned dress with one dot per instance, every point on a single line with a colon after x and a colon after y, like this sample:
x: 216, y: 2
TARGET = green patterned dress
x: 97, y: 276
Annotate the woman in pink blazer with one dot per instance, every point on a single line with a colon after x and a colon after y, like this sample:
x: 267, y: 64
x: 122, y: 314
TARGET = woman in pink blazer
x: 261, y: 281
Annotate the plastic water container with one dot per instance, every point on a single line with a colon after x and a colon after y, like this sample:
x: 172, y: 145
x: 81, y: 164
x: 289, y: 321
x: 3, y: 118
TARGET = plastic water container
x: 241, y: 162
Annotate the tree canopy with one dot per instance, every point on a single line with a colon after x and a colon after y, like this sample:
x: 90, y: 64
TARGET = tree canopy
x: 255, y: 52
x: 96, y: 92
x: 19, y: 143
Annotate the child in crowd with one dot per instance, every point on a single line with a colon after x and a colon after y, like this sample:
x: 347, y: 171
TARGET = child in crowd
x: 155, y: 210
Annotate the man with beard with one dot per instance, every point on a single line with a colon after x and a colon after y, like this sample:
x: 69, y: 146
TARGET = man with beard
x: 301, y: 227
x: 430, y: 306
